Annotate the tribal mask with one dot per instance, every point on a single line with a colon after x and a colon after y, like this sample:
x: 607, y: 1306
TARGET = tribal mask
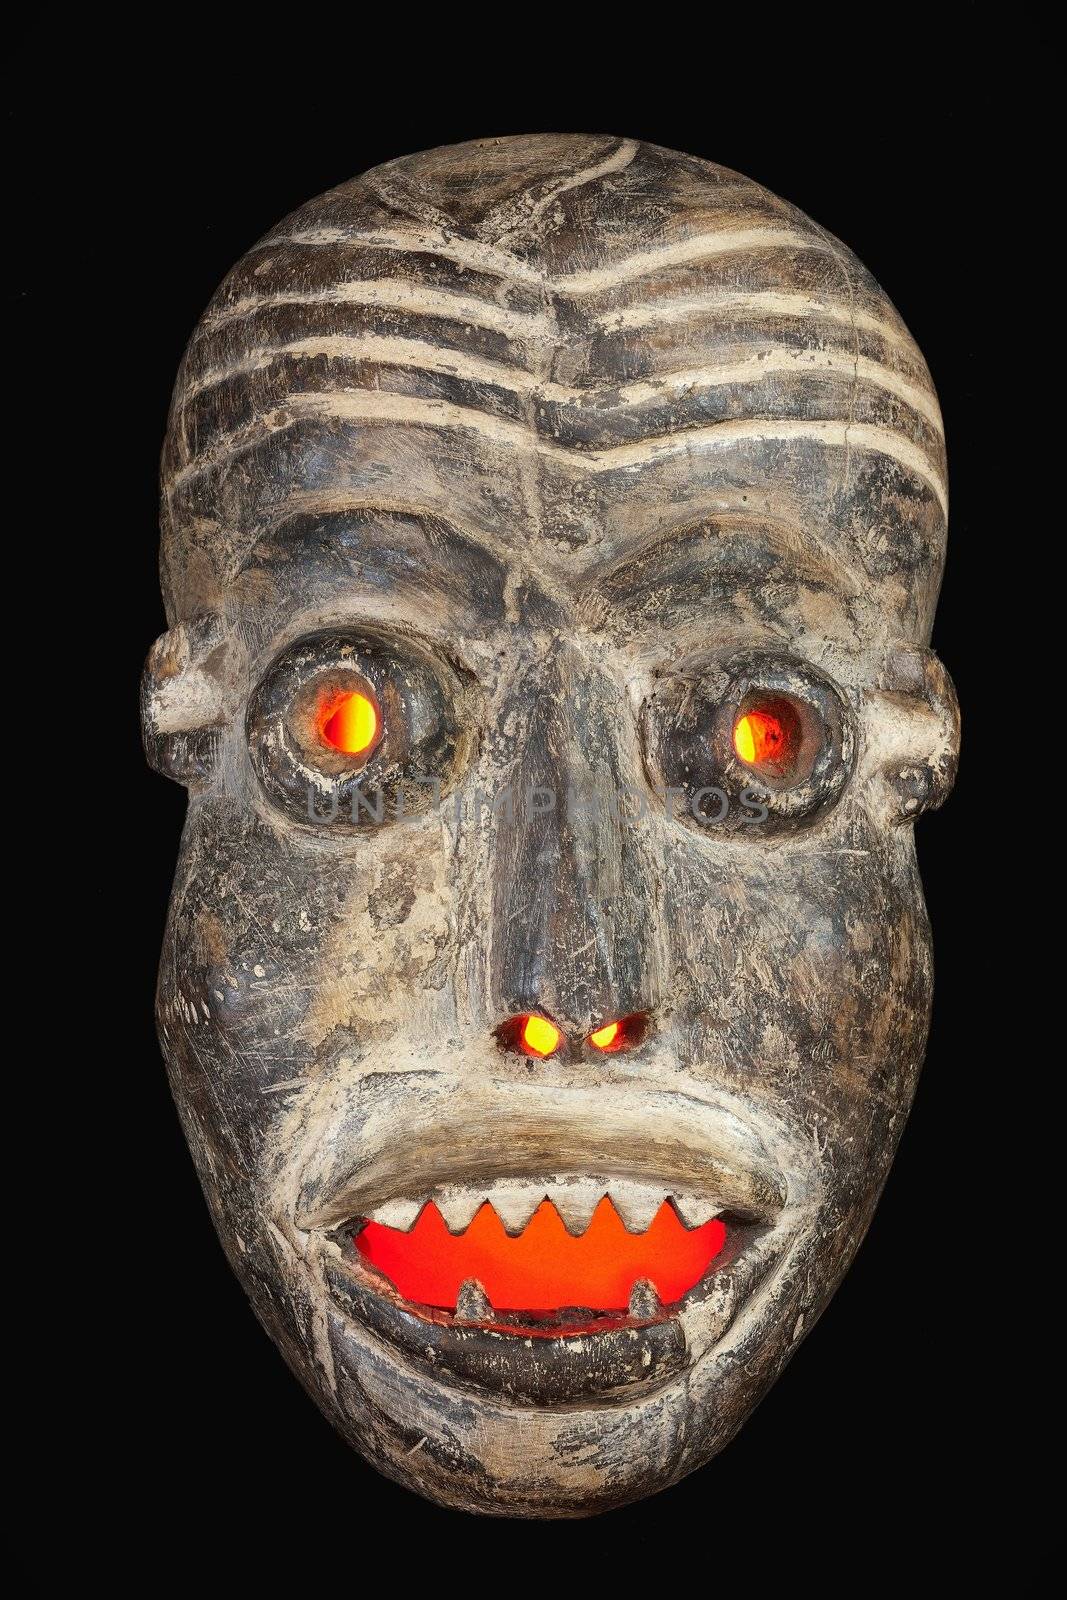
x: 552, y: 529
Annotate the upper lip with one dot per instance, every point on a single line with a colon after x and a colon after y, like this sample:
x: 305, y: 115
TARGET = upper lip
x: 403, y: 1133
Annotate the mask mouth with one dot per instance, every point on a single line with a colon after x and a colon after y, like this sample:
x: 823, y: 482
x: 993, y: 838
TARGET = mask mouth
x: 526, y: 1254
x: 551, y: 1290
x: 541, y: 1248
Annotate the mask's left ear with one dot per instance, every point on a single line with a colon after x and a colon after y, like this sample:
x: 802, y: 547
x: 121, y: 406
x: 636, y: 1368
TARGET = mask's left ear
x: 186, y: 691
x: 911, y: 735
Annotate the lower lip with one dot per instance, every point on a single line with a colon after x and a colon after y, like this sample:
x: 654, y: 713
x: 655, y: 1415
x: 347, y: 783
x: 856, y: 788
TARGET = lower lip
x: 575, y: 1355
x: 545, y: 1269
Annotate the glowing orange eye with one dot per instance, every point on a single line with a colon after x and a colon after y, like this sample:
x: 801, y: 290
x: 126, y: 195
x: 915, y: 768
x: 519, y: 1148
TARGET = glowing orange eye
x: 539, y: 1037
x: 761, y: 737
x: 349, y: 722
x: 607, y: 1036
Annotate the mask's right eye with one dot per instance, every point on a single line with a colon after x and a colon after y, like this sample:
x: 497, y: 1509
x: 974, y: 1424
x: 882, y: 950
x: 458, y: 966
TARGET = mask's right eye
x: 353, y: 730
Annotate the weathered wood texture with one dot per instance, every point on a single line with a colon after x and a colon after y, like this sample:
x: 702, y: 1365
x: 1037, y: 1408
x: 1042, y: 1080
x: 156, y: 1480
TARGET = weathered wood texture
x: 566, y: 445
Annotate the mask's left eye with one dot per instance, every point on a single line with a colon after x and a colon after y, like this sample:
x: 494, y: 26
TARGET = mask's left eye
x: 355, y: 730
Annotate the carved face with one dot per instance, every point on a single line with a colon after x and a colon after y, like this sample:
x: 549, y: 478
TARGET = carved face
x: 552, y: 533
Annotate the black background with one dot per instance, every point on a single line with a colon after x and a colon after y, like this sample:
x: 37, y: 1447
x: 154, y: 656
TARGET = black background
x: 180, y: 1444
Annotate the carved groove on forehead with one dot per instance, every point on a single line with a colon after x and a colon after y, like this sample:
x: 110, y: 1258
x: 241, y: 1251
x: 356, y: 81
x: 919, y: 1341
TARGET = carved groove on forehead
x: 419, y: 355
x: 565, y: 286
x: 494, y: 188
x: 376, y: 406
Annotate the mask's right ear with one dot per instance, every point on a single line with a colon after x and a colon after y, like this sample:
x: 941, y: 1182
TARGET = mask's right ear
x: 186, y: 692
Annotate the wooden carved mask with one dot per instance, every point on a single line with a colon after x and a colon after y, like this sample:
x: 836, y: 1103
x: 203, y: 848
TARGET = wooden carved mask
x: 552, y: 529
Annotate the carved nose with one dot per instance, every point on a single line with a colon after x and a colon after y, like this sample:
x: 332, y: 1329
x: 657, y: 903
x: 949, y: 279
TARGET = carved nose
x: 574, y: 929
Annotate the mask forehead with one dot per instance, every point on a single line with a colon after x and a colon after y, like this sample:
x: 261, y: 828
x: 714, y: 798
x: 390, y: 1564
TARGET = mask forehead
x: 562, y: 346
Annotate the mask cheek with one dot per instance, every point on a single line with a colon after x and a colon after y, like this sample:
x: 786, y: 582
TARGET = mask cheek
x: 233, y: 985
x: 383, y: 943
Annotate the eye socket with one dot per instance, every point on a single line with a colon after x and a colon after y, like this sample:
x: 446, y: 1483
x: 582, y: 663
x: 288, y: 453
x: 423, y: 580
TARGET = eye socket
x: 350, y: 722
x: 353, y: 730
x: 756, y: 743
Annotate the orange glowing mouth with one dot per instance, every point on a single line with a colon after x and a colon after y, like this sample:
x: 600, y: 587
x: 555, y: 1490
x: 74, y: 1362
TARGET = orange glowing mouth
x: 545, y: 1268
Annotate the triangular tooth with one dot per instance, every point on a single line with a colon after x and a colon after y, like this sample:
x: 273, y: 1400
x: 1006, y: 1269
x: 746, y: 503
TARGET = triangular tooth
x: 644, y: 1299
x: 458, y: 1207
x: 401, y: 1214
x: 472, y: 1302
x: 695, y: 1209
x: 636, y: 1204
x: 515, y: 1204
x: 576, y: 1201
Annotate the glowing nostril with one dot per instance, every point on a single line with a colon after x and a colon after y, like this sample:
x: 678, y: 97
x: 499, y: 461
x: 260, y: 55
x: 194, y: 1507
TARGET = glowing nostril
x: 539, y: 1037
x: 534, y: 1035
x: 621, y: 1033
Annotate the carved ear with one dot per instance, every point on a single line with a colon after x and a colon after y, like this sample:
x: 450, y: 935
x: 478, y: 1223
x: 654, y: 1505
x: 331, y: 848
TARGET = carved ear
x: 911, y: 734
x: 186, y: 690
